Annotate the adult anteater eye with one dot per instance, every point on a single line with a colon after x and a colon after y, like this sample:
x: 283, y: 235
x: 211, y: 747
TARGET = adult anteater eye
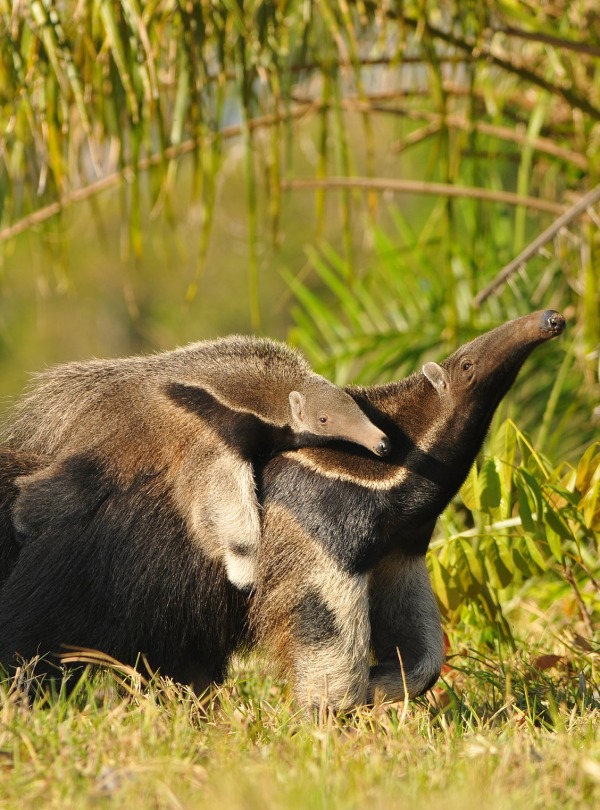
x: 323, y: 419
x: 467, y: 365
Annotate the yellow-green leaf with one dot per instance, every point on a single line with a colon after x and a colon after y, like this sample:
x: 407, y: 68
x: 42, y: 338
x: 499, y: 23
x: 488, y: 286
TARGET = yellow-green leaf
x: 535, y: 553
x: 488, y: 481
x: 498, y: 573
x: 472, y: 560
x: 587, y: 467
x: 447, y: 594
x: 554, y: 543
x: 525, y: 512
x: 469, y: 491
x: 553, y: 519
x: 590, y: 503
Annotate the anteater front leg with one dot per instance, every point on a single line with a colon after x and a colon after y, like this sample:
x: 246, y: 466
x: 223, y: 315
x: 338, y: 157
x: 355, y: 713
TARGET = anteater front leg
x: 406, y: 632
x: 311, y: 615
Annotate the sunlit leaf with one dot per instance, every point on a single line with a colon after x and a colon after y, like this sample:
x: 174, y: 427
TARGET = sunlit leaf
x: 469, y: 492
x: 590, y: 503
x: 445, y: 591
x: 472, y: 559
x: 524, y: 565
x: 554, y: 543
x: 534, y: 489
x: 535, y: 553
x: 554, y: 520
x: 498, y: 574
x: 489, y: 486
x: 587, y: 468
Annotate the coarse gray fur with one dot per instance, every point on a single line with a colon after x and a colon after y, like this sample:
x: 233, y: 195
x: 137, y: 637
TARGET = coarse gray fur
x: 207, y: 411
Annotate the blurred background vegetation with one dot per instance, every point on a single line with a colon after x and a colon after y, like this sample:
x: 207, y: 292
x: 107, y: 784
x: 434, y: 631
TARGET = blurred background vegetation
x: 350, y: 176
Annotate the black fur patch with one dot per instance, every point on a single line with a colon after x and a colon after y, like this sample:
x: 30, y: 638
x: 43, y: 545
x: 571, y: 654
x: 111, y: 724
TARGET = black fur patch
x: 241, y: 550
x: 113, y: 569
x: 313, y: 621
x: 355, y: 524
x: 13, y: 464
x: 243, y: 432
x: 430, y: 684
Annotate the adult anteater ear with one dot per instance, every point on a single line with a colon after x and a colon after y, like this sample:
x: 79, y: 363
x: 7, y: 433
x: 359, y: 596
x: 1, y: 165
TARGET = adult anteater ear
x: 297, y: 404
x: 437, y: 376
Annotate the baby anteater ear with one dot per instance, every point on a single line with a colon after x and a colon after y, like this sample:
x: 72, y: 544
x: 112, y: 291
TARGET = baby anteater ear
x: 297, y: 404
x: 437, y: 376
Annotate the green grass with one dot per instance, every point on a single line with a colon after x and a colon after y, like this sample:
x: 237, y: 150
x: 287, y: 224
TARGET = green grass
x: 494, y: 733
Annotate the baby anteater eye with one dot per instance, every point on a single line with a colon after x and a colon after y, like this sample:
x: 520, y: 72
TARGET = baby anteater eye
x: 323, y: 419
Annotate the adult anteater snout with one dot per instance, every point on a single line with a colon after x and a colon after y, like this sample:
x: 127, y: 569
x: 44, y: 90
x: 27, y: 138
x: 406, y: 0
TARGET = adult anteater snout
x: 552, y: 322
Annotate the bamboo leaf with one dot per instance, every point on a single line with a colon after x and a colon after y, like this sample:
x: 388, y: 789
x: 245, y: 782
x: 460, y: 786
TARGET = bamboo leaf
x: 115, y: 43
x: 525, y: 566
x: 312, y: 303
x: 535, y: 490
x: 554, y: 543
x: 504, y: 446
x: 535, y: 553
x: 464, y: 574
x: 553, y: 519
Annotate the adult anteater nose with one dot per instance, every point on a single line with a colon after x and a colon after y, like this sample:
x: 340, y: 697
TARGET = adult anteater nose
x: 552, y: 322
x: 383, y: 447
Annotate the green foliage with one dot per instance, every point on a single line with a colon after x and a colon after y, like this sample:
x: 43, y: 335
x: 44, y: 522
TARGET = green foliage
x: 520, y: 521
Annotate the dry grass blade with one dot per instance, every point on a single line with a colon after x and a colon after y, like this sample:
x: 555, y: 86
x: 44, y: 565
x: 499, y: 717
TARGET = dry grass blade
x: 84, y: 655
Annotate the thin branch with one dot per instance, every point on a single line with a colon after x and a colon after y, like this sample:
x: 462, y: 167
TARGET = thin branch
x: 557, y: 42
x: 457, y: 89
x: 179, y: 150
x: 417, y: 136
x: 115, y: 178
x: 423, y: 187
x: 366, y: 62
x: 565, y: 219
x: 544, y: 145
x: 480, y: 52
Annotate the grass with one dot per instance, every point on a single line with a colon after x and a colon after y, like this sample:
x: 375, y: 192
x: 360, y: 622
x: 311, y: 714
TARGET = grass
x: 495, y: 733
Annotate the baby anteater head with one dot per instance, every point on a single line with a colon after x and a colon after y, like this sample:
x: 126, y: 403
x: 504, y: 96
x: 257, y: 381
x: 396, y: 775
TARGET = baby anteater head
x: 323, y: 409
